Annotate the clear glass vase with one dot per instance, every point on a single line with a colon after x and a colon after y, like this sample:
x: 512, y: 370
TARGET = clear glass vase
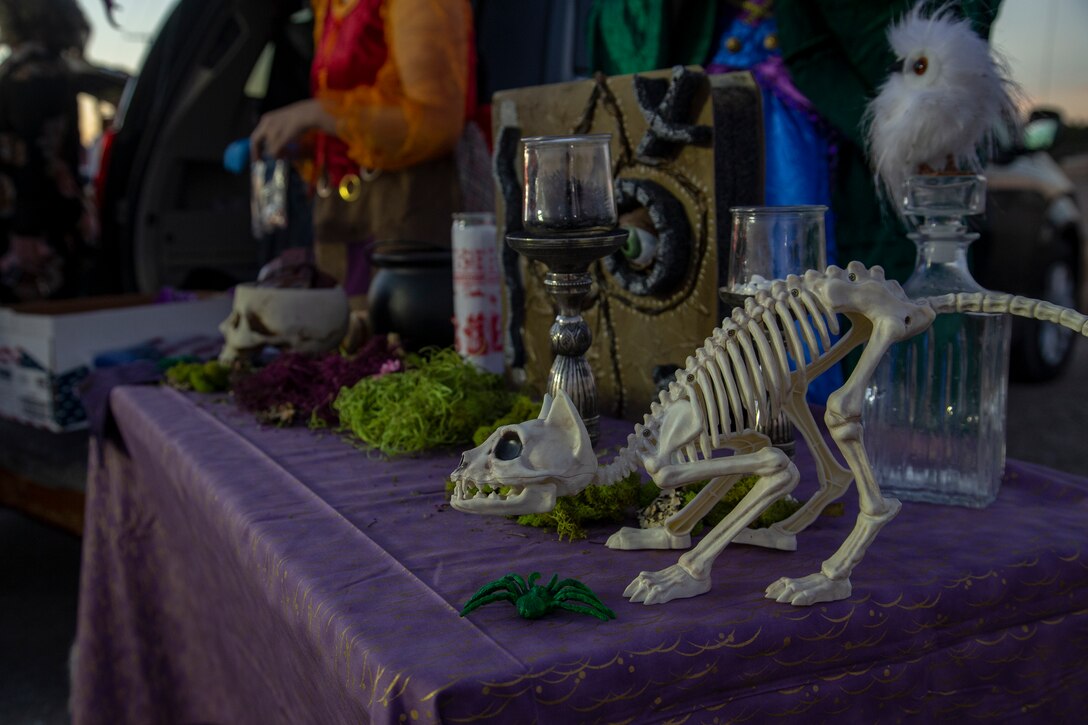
x: 934, y: 414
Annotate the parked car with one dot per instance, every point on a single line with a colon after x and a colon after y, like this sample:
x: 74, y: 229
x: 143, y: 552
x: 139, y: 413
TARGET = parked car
x: 171, y: 214
x: 1033, y: 244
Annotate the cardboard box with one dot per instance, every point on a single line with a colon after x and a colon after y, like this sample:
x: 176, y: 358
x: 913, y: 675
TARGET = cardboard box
x: 48, y: 348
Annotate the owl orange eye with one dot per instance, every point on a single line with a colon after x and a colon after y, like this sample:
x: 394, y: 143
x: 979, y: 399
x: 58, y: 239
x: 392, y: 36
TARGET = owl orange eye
x: 920, y: 66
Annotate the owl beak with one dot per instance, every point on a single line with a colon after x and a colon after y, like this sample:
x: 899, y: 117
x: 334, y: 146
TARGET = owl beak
x: 896, y: 66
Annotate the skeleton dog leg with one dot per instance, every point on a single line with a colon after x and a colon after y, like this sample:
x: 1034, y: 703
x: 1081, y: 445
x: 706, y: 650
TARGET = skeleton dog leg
x: 690, y: 576
x: 683, y: 521
x: 682, y: 424
x: 843, y: 418
x: 676, y: 531
x: 834, y: 479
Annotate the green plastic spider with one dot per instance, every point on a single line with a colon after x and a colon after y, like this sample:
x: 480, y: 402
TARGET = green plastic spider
x: 534, y: 601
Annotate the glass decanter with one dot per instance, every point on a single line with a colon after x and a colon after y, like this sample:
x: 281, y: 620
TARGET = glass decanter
x: 934, y: 414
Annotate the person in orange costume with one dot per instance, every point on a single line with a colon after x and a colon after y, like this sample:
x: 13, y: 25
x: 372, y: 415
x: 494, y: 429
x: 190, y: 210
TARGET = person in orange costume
x: 392, y: 82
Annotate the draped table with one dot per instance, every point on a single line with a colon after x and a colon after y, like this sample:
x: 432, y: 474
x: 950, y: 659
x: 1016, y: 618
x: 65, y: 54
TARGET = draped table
x: 234, y: 573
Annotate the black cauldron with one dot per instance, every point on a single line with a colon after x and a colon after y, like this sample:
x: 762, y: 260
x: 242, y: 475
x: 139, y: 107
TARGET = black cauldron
x: 412, y: 294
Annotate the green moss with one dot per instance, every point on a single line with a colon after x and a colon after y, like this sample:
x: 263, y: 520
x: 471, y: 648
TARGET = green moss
x: 207, y: 377
x: 440, y: 400
x: 523, y: 408
x: 595, y: 504
x: 616, y: 503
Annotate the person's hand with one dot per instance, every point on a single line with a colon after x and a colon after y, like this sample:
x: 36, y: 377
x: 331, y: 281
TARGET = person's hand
x: 278, y: 128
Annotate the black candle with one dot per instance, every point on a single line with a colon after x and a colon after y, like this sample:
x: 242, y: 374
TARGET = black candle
x: 568, y: 185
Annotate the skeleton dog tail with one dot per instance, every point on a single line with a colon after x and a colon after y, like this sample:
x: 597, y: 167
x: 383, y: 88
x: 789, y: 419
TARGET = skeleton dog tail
x: 998, y: 303
x: 628, y: 459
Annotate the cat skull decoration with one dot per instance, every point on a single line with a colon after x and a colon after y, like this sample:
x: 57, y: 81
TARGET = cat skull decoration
x: 560, y: 462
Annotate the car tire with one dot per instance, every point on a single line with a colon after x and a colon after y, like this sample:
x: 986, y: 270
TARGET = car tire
x: 1044, y: 349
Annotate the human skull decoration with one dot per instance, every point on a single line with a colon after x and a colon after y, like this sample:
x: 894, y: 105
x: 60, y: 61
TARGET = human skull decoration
x: 303, y: 320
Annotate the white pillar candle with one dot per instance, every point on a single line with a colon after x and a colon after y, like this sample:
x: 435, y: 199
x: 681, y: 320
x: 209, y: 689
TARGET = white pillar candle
x: 477, y: 289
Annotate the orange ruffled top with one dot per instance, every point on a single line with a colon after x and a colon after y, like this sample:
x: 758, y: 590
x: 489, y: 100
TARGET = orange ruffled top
x: 398, y: 75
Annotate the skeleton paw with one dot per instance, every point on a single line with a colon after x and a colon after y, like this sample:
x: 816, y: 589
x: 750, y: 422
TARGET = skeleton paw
x: 807, y: 590
x: 768, y: 538
x: 658, y: 587
x: 629, y: 538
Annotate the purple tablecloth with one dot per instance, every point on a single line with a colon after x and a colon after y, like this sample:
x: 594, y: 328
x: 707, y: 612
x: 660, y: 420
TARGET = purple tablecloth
x: 233, y: 574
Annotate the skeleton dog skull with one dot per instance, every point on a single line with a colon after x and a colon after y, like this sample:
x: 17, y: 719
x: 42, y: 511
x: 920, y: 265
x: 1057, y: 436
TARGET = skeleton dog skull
x: 302, y: 320
x: 537, y: 460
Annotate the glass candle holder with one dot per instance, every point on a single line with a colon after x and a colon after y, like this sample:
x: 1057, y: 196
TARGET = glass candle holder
x: 568, y: 186
x: 767, y: 243
x: 770, y: 242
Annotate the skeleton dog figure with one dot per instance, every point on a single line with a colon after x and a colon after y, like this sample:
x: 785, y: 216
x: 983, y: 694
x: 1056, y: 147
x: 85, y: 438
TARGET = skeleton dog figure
x: 756, y: 364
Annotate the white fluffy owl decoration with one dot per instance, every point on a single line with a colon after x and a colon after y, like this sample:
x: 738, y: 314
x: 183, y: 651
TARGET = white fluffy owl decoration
x: 941, y: 103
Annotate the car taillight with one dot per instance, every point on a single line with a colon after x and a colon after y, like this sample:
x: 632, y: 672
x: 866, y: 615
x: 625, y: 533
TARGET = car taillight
x: 103, y: 165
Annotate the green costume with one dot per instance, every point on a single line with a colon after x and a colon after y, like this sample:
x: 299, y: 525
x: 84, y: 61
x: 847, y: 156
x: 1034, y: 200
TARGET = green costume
x: 634, y: 36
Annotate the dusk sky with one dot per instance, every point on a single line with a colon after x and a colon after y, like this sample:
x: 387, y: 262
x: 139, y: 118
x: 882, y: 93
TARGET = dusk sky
x: 1043, y: 40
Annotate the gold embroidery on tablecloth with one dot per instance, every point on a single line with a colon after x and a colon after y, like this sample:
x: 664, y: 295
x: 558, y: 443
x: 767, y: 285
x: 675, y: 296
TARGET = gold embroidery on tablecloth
x: 844, y: 618
x: 439, y: 690
x: 924, y: 604
x: 845, y: 673
x: 1028, y: 630
x: 389, y: 696
x: 1044, y: 582
x: 379, y: 672
x: 854, y: 693
x: 832, y: 633
x: 614, y: 697
x: 363, y: 670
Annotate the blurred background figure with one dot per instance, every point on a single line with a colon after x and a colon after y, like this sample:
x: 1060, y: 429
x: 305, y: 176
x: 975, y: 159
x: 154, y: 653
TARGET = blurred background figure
x: 46, y: 226
x: 392, y: 83
x: 837, y: 54
x: 633, y: 36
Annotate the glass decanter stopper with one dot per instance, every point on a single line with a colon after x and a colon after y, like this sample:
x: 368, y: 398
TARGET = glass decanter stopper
x: 934, y: 415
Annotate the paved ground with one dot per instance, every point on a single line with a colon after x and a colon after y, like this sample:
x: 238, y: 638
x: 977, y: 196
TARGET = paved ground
x: 39, y: 565
x: 39, y: 578
x: 1048, y: 423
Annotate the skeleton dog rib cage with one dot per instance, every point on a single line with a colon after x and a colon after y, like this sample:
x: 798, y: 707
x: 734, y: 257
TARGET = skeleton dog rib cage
x: 756, y: 364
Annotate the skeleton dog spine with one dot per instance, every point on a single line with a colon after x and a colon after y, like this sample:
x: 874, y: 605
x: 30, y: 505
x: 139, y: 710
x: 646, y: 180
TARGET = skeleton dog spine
x: 742, y: 375
x: 739, y: 377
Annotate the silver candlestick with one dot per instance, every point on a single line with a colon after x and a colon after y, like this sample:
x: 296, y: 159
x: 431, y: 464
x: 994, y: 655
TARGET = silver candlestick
x: 569, y: 221
x: 567, y: 283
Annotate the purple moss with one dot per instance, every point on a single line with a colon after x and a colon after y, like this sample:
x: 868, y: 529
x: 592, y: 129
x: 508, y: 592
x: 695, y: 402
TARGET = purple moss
x: 296, y: 387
